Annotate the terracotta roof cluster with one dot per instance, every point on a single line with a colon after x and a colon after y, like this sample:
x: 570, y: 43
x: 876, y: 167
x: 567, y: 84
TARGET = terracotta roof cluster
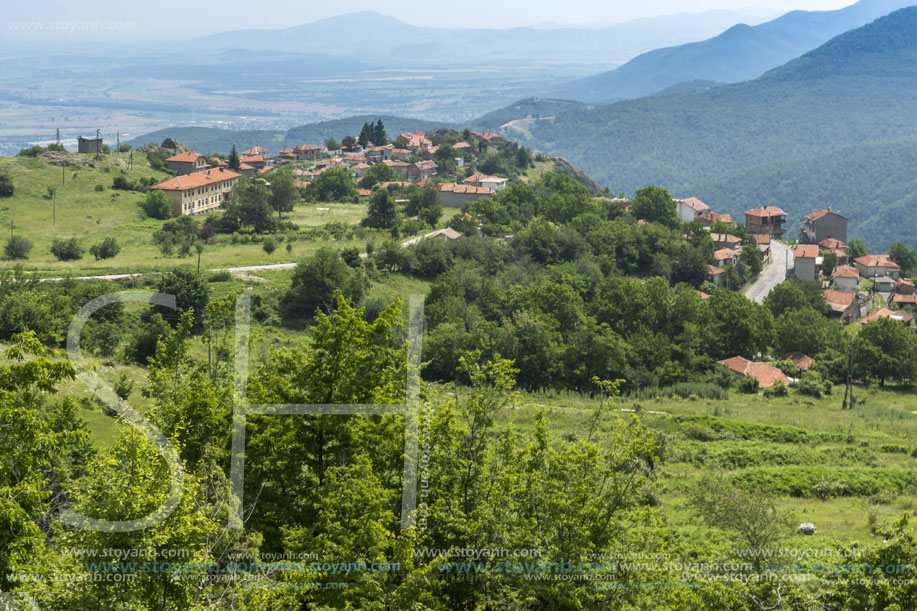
x: 803, y: 361
x: 198, y: 179
x: 694, y: 203
x: 724, y: 254
x: 765, y: 211
x: 417, y: 140
x: 395, y: 183
x: 767, y: 375
x: 805, y: 251
x: 255, y: 150
x: 886, y: 313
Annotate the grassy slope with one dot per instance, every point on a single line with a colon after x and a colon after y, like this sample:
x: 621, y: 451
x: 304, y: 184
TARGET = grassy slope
x: 89, y: 215
x: 885, y: 418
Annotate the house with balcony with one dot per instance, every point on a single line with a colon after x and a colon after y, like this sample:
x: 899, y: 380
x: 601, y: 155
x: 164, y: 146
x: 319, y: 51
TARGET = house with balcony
x: 765, y: 219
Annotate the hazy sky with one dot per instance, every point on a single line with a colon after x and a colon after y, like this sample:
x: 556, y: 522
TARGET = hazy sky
x: 108, y: 19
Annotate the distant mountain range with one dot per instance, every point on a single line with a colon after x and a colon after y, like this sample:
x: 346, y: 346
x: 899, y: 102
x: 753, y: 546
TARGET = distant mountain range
x: 861, y: 86
x: 740, y: 53
x: 380, y: 40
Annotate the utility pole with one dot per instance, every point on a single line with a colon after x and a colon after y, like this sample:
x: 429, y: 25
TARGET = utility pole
x: 63, y: 173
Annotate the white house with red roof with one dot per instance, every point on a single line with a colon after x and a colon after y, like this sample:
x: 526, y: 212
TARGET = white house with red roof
x: 807, y: 262
x: 845, y: 278
x: 690, y: 209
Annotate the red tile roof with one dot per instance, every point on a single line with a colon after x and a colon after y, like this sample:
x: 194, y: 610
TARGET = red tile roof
x: 364, y: 192
x: 713, y: 270
x: 255, y: 150
x: 694, y: 203
x: 425, y: 165
x: 713, y: 216
x: 308, y: 147
x: 907, y: 298
x: 725, y: 238
x: 765, y: 211
x: 803, y: 361
x: 886, y: 313
x: 703, y: 296
x: 832, y: 243
x: 876, y: 261
x: 839, y: 300
x: 845, y: 271
x: 198, y: 179
x: 767, y: 375
x: 451, y: 187
x: 724, y: 254
x: 187, y: 157
x: 805, y: 251
x: 251, y: 159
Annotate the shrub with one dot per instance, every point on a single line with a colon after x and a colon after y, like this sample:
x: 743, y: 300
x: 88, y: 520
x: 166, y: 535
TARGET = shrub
x: 748, y: 385
x: 269, y: 245
x: 67, y: 250
x: 813, y: 385
x: 777, y: 390
x: 221, y: 276
x: 157, y: 205
x: 17, y: 248
x: 701, y: 390
x: 106, y: 249
x: 824, y: 482
x: 6, y: 185
x: 99, y: 188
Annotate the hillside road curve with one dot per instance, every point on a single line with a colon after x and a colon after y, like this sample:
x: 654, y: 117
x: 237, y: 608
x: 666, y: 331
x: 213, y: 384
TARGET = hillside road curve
x: 773, y: 274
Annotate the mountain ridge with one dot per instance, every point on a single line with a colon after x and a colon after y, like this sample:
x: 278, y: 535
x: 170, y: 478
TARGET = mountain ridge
x: 740, y: 53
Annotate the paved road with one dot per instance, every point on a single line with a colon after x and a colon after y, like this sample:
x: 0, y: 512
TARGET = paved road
x: 773, y: 274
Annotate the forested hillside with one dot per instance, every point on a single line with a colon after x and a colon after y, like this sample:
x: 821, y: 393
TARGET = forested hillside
x: 874, y: 185
x: 859, y: 87
x: 740, y: 53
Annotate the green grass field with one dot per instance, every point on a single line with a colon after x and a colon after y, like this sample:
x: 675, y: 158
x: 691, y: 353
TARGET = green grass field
x: 90, y: 215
